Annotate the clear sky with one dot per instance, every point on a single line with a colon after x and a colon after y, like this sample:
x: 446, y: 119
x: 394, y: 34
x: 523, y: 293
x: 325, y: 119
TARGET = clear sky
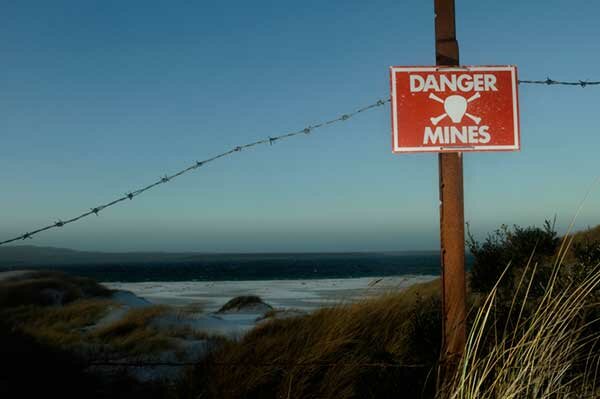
x: 97, y: 98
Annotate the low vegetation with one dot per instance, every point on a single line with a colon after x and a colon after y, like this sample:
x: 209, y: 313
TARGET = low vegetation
x: 47, y: 288
x: 60, y: 326
x: 33, y: 369
x: 72, y: 324
x: 543, y: 343
x: 46, y: 345
x: 534, y: 328
x: 134, y: 334
x: 517, y: 247
x: 533, y: 324
x: 544, y: 348
x: 363, y: 350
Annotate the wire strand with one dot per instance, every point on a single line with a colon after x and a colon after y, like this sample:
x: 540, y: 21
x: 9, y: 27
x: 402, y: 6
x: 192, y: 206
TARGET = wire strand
x: 167, y: 178
x: 246, y: 364
x: 550, y: 82
x: 270, y: 140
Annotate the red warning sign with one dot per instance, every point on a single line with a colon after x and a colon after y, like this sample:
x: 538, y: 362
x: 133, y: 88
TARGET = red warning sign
x: 439, y: 109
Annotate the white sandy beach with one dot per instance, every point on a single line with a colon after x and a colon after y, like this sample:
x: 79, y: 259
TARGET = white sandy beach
x: 304, y: 295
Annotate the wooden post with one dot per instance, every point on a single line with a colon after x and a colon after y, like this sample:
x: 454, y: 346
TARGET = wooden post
x: 452, y: 232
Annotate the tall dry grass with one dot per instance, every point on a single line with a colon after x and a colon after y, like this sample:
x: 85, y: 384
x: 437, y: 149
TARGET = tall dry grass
x: 34, y: 288
x: 380, y: 347
x: 56, y: 326
x: 543, y: 347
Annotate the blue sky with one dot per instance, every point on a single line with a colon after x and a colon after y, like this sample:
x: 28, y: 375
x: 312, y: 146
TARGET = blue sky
x: 97, y: 98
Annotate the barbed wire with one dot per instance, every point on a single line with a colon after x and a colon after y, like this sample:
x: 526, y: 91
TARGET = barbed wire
x: 167, y: 178
x: 247, y: 364
x: 550, y: 82
x: 270, y: 140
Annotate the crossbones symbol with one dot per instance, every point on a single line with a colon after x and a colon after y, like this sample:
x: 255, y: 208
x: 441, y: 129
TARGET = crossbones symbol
x: 455, y: 107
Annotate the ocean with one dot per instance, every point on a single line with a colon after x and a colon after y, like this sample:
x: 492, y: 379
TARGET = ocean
x: 242, y: 267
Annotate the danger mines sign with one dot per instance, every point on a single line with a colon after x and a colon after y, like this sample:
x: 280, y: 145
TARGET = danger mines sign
x: 437, y: 109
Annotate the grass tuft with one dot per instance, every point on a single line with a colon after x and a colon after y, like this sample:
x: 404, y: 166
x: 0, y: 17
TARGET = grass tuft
x: 134, y: 333
x: 59, y: 326
x: 241, y: 302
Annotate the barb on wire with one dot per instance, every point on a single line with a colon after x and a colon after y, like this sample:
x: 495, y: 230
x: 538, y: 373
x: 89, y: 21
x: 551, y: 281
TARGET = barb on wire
x: 549, y: 82
x: 167, y: 178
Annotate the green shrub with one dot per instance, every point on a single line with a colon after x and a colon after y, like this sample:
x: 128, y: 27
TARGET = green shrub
x: 515, y: 246
x: 587, y: 252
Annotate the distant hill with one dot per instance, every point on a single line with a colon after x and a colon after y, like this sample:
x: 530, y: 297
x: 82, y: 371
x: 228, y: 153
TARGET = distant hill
x: 21, y: 256
x: 30, y: 255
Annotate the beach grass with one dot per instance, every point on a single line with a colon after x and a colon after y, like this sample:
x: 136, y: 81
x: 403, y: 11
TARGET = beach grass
x: 365, y: 349
x: 134, y: 333
x: 62, y: 326
x: 75, y: 321
x: 542, y: 346
x: 533, y: 334
x: 47, y: 288
x: 72, y: 326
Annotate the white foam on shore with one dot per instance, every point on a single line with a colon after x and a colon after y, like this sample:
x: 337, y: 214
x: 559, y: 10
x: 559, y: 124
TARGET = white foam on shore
x: 283, y: 294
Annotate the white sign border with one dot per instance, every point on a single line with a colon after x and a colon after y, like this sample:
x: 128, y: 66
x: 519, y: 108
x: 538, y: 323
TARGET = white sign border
x: 511, y: 68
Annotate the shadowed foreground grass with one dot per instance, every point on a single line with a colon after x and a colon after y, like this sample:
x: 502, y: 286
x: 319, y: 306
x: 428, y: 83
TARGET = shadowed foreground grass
x: 32, y: 369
